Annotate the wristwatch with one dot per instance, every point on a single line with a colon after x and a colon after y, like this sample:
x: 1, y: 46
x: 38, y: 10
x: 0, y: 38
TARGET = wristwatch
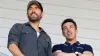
x: 76, y: 53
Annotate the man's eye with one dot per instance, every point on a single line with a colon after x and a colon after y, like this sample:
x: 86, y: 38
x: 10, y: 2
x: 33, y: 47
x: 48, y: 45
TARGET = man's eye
x: 64, y: 28
x: 37, y: 9
x: 71, y: 27
x: 29, y: 8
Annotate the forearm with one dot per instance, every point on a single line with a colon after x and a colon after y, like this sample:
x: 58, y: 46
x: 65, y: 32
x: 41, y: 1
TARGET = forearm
x: 63, y: 54
x: 85, y: 54
x: 70, y: 54
x: 15, y: 50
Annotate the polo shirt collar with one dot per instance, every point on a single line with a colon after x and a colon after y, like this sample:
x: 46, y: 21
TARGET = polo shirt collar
x: 76, y: 43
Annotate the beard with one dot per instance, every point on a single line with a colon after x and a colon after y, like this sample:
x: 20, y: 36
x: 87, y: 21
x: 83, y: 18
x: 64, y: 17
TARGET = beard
x: 33, y: 17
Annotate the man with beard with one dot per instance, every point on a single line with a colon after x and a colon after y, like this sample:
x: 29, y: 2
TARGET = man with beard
x: 29, y: 39
x: 71, y: 47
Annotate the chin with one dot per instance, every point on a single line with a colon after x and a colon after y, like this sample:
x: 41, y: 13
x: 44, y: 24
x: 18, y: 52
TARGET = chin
x: 33, y: 19
x: 70, y: 38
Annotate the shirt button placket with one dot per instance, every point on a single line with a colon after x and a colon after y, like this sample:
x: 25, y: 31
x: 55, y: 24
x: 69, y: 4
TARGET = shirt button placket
x: 72, y: 48
x: 38, y: 48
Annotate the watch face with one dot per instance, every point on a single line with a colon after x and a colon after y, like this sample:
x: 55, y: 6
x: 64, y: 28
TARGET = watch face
x: 76, y: 52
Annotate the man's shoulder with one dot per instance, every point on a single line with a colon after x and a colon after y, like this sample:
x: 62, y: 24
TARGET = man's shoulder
x: 85, y: 45
x: 18, y: 24
x: 44, y: 32
x: 58, y: 45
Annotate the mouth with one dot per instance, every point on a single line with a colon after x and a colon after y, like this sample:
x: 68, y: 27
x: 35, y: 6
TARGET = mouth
x: 69, y: 33
x: 33, y: 15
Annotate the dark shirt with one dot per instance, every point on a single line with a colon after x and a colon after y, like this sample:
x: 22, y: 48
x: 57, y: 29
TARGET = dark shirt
x: 76, y: 47
x: 25, y: 37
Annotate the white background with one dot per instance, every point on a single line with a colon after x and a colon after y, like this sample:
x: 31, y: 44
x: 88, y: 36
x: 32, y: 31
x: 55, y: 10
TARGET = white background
x: 86, y: 13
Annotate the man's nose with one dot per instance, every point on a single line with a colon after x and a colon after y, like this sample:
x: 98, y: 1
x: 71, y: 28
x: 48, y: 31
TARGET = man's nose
x: 68, y: 30
x: 33, y: 9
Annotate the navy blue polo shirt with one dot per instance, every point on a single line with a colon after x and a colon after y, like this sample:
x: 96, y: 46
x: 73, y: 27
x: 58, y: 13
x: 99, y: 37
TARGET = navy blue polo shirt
x: 76, y: 47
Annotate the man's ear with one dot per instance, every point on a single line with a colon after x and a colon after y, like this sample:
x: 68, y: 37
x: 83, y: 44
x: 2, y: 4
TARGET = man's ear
x: 76, y: 31
x: 42, y: 14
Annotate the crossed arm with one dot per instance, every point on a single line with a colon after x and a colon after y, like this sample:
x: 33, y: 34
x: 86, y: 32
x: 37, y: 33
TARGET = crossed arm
x: 15, y: 50
x: 60, y: 53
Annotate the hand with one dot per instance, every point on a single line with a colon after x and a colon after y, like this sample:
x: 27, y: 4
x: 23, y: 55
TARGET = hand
x: 57, y: 53
x: 21, y: 55
x: 60, y: 54
x: 66, y: 54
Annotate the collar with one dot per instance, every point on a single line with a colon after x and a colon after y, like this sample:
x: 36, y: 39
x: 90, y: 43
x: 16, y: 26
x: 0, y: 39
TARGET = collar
x: 76, y: 43
x: 28, y: 24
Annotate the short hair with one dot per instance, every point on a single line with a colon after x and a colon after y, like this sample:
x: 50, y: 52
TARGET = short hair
x: 68, y: 20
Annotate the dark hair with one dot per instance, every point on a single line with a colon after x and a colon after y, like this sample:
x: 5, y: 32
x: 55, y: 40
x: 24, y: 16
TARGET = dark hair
x: 68, y: 20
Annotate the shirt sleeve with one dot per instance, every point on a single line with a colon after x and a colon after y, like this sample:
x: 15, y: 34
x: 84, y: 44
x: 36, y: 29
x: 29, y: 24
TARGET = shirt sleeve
x: 55, y: 48
x: 88, y: 48
x: 14, y: 35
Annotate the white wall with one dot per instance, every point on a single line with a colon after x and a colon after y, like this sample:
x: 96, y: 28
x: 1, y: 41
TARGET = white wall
x: 84, y: 12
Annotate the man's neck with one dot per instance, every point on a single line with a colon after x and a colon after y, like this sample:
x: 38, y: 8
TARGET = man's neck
x: 35, y: 25
x: 71, y: 41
